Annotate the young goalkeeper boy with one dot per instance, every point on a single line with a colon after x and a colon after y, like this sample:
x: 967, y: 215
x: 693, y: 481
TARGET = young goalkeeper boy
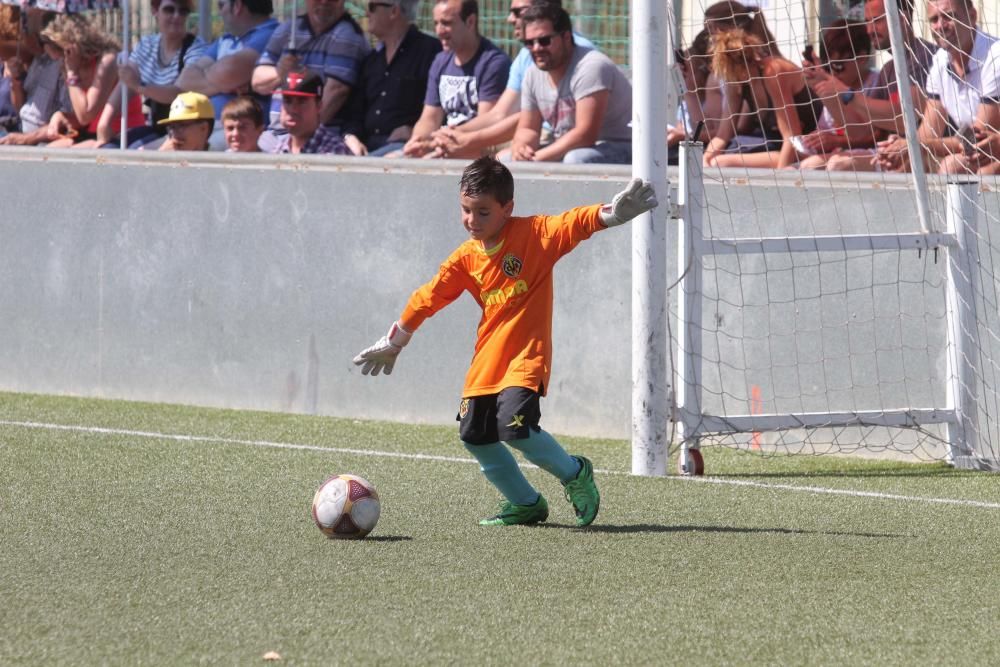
x: 506, y: 266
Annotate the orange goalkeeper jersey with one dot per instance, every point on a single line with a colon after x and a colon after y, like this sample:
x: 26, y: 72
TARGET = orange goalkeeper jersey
x: 512, y: 283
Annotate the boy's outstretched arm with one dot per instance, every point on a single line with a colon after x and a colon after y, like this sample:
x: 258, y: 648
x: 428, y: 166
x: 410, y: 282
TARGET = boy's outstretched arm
x: 634, y: 200
x: 382, y: 355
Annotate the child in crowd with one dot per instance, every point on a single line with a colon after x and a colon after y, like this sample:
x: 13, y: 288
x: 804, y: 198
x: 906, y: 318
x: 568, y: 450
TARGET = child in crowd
x: 189, y: 123
x: 242, y: 124
x: 506, y: 266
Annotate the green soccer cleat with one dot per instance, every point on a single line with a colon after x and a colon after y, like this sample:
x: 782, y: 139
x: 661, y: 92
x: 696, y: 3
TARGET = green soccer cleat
x: 510, y: 514
x: 582, y: 492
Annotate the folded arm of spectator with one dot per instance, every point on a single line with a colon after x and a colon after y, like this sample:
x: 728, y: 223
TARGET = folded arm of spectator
x: 40, y: 135
x: 726, y: 128
x: 89, y: 101
x: 266, y: 78
x: 15, y: 70
x: 105, y: 130
x: 527, y: 137
x: 61, y: 125
x: 335, y: 95
x: 492, y: 128
x: 230, y: 74
x: 862, y: 109
x: 586, y: 130
x: 932, y: 132
x: 779, y: 87
x: 421, y: 140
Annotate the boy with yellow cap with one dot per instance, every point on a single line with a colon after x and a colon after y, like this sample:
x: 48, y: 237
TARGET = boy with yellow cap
x: 189, y: 123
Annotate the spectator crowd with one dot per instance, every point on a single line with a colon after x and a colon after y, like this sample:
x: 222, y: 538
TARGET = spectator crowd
x: 316, y: 84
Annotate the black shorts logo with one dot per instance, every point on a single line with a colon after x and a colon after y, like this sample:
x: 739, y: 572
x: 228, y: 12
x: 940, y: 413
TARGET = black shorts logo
x: 463, y: 408
x: 512, y: 265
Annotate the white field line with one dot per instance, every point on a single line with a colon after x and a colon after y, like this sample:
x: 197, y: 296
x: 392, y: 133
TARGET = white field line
x: 457, y: 459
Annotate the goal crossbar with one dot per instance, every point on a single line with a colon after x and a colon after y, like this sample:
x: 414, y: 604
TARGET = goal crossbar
x: 828, y: 243
x: 714, y: 425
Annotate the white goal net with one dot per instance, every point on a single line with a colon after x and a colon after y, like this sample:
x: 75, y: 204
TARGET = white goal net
x: 835, y: 287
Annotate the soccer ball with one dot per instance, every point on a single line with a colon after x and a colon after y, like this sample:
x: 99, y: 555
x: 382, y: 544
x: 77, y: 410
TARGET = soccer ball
x: 346, y: 507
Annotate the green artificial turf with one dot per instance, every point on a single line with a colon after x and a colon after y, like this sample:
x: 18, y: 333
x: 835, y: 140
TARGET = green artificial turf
x: 123, y: 548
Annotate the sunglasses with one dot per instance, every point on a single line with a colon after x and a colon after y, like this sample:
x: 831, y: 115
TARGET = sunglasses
x: 372, y: 6
x: 542, y: 41
x: 171, y: 10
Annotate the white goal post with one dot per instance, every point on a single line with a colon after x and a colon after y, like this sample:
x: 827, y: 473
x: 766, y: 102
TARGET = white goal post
x: 815, y: 308
x: 958, y: 412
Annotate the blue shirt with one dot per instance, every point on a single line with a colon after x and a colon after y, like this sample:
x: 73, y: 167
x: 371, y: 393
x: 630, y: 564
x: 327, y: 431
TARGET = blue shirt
x: 256, y: 38
x: 336, y: 53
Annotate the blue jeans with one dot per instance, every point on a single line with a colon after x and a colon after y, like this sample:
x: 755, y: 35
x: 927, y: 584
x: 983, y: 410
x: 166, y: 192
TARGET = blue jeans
x: 387, y: 148
x: 603, y: 152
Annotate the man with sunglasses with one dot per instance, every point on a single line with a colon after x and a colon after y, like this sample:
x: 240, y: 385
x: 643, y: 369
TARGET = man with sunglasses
x: 465, y: 79
x: 151, y: 72
x: 390, y: 97
x: 225, y: 70
x: 497, y: 126
x: 583, y: 95
x: 328, y: 42
x: 878, y: 105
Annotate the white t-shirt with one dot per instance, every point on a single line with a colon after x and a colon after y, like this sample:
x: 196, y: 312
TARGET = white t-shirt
x: 961, y: 97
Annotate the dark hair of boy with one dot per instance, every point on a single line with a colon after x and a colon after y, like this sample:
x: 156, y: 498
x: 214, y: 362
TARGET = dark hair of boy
x: 242, y: 107
x: 487, y: 176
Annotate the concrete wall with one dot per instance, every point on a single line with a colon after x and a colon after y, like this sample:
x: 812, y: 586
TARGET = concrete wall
x: 252, y: 283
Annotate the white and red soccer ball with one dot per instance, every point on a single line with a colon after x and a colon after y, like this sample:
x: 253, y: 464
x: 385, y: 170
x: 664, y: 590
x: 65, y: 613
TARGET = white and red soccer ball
x: 346, y: 507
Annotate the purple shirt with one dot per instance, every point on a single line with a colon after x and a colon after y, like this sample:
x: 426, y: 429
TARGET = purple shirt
x: 325, y: 140
x: 458, y: 89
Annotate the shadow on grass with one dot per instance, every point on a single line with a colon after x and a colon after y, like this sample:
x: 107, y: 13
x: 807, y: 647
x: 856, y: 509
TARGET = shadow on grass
x: 656, y: 528
x: 388, y: 538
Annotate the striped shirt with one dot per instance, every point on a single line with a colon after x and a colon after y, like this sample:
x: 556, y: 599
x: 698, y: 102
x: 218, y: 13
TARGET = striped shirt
x: 146, y: 57
x: 336, y: 53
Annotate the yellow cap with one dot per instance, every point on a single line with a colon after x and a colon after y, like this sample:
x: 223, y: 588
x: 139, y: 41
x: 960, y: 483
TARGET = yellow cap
x: 190, y: 106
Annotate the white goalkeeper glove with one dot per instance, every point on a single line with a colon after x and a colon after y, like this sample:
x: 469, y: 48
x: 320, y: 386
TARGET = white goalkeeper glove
x: 382, y: 355
x: 634, y: 200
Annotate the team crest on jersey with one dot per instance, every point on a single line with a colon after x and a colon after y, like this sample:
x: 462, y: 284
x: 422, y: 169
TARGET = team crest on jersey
x: 512, y: 265
x: 463, y: 408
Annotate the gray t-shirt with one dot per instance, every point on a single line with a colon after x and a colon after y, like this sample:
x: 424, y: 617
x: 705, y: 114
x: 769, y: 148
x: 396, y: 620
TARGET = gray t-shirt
x: 589, y: 72
x: 45, y: 93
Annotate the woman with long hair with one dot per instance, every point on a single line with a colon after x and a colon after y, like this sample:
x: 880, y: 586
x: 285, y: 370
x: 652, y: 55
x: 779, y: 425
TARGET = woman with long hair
x: 731, y: 15
x: 90, y: 68
x: 151, y: 70
x: 768, y: 88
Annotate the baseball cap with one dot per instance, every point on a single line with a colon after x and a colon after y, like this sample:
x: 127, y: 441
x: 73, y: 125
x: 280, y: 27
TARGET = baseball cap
x: 189, y: 106
x: 303, y: 85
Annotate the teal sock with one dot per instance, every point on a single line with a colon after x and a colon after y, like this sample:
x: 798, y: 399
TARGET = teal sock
x: 499, y: 466
x: 545, y: 452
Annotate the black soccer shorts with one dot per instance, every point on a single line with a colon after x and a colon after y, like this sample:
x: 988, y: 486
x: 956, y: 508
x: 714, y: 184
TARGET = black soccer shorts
x: 505, y: 416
